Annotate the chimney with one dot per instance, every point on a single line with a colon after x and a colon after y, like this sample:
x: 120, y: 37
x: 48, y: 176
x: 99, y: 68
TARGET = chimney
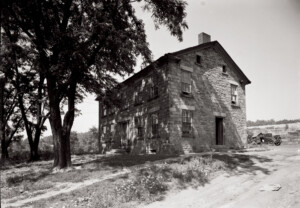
x: 203, y: 38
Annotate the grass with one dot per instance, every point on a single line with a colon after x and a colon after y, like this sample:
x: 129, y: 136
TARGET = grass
x: 146, y: 183
x: 151, y: 178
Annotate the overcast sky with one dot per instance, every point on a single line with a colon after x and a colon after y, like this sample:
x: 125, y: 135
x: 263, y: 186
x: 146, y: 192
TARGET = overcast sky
x: 261, y: 36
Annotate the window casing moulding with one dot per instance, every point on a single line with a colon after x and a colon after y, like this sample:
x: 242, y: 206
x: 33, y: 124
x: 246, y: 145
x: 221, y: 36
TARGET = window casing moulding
x: 153, y: 109
x: 186, y: 68
x: 219, y: 114
x: 233, y: 82
x: 187, y: 107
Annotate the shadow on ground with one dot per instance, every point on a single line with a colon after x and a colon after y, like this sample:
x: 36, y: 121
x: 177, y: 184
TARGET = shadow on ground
x: 236, y: 163
x: 241, y: 163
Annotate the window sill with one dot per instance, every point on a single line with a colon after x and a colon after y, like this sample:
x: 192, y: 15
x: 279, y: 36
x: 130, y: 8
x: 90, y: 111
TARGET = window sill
x: 225, y: 74
x: 235, y: 105
x: 187, y: 136
x: 153, y: 98
x: 154, y: 137
x: 198, y: 64
x: 140, y: 138
x: 190, y: 95
x: 137, y: 104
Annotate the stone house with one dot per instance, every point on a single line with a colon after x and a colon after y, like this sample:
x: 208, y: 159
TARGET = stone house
x: 191, y: 100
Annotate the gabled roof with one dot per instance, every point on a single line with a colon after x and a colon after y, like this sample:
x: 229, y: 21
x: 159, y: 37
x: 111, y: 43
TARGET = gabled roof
x: 214, y: 44
x: 218, y: 47
x: 163, y: 59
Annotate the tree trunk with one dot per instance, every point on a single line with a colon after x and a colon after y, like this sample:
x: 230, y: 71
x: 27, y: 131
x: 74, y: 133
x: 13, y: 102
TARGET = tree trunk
x: 61, y: 131
x: 34, y: 150
x: 4, y: 152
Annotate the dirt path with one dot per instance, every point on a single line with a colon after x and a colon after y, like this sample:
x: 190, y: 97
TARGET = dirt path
x: 71, y: 187
x: 242, y: 189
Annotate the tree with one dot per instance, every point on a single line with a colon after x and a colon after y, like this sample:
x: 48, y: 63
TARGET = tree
x: 25, y: 87
x: 11, y: 119
x: 80, y: 44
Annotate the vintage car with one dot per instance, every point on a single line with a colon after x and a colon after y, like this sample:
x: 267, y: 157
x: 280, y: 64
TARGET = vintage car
x: 267, y: 138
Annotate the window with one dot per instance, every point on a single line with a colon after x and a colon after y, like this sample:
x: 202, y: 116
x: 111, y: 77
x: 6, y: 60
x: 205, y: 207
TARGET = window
x: 154, y: 124
x: 187, y: 122
x: 153, y: 90
x: 224, y: 69
x: 198, y: 59
x: 110, y: 110
x: 124, y: 100
x: 104, y: 112
x: 138, y: 98
x: 140, y: 126
x: 186, y: 78
x: 234, y: 94
x: 104, y: 129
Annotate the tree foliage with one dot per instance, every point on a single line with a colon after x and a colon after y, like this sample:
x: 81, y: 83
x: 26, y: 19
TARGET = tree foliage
x: 271, y: 122
x: 81, y: 44
x: 25, y: 85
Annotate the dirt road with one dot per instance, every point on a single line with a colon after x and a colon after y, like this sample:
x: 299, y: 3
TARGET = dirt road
x: 241, y: 188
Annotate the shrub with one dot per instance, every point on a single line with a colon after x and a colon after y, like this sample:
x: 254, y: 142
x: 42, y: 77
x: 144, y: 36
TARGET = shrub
x: 146, y: 184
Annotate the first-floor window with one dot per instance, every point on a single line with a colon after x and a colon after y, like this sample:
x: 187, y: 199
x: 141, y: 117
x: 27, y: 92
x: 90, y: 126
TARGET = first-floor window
x: 234, y: 94
x: 140, y: 126
x: 187, y: 122
x: 154, y: 124
x: 104, y: 112
x: 104, y: 129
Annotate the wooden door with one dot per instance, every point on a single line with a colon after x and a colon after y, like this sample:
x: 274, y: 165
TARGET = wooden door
x: 219, y: 131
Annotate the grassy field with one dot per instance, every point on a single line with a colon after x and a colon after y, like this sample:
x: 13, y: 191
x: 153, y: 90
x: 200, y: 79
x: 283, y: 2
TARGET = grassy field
x: 290, y: 133
x: 149, y: 178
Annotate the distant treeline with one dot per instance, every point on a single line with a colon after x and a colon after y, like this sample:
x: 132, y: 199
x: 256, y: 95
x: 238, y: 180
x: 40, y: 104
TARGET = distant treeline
x: 271, y: 122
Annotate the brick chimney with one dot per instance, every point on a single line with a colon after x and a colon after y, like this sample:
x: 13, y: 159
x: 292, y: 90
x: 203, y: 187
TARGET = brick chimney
x: 203, y: 38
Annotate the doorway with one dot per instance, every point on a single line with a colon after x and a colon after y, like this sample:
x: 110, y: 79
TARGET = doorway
x: 121, y: 135
x: 219, y: 131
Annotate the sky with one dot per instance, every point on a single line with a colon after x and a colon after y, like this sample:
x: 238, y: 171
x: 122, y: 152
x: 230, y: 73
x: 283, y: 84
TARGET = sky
x: 261, y: 36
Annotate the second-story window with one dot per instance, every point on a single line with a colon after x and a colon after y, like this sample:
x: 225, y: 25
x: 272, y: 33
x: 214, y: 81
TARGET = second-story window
x: 234, y: 94
x: 124, y: 100
x: 224, y: 69
x: 198, y: 59
x: 154, y: 124
x: 153, y: 89
x: 186, y: 80
x: 187, y: 122
x: 138, y: 99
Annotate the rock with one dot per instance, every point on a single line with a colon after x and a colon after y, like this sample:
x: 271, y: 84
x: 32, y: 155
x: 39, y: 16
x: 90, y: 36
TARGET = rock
x: 270, y: 187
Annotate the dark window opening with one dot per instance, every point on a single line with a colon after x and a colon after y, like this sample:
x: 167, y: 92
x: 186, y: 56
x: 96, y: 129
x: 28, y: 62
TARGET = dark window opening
x: 224, y: 69
x: 198, y: 59
x: 219, y: 131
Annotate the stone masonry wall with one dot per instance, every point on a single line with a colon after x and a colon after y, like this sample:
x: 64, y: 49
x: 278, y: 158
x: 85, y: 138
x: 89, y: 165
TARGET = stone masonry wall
x: 211, y: 98
x: 159, y: 105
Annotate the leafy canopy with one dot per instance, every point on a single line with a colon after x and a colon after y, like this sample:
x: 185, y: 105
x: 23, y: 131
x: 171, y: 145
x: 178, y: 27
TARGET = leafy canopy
x: 90, y: 40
